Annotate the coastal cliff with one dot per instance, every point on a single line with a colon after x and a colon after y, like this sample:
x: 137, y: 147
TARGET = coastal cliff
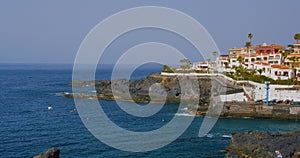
x: 255, y: 144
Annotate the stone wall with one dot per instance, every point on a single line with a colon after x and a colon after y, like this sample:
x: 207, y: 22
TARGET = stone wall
x: 295, y: 110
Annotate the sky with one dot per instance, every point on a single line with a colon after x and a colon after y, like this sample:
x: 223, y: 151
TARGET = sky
x: 34, y: 31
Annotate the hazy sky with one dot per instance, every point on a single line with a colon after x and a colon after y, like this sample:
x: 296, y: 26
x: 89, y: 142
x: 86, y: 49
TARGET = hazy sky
x: 34, y: 31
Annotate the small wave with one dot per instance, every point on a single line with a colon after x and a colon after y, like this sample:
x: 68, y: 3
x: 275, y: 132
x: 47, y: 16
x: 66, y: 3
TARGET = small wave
x: 185, y: 109
x: 185, y: 114
x: 248, y: 118
x: 209, y: 135
x: 59, y: 94
x: 226, y: 135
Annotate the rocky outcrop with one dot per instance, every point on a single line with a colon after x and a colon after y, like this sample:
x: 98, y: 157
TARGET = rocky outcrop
x: 51, y: 153
x: 156, y: 86
x: 255, y: 144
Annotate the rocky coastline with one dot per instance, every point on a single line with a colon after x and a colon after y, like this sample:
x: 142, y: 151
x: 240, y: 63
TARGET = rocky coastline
x: 50, y: 153
x: 255, y: 144
x: 142, y: 90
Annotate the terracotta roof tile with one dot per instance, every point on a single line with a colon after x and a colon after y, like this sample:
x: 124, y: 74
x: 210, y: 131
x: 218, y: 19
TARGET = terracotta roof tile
x: 223, y: 58
x: 293, y: 54
x: 280, y: 67
x: 262, y: 63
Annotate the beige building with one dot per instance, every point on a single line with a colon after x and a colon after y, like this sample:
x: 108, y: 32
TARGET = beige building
x: 264, y: 53
x: 296, y: 47
x: 292, y: 60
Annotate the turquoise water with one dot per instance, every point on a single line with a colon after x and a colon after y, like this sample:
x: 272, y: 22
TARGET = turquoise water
x: 28, y: 128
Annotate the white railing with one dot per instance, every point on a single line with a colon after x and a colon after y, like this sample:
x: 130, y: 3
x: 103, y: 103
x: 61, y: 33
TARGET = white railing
x: 225, y: 77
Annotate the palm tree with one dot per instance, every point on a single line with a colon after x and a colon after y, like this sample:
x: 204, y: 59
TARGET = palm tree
x: 260, y: 71
x: 226, y: 64
x: 240, y: 59
x: 297, y: 37
x: 248, y: 44
x: 253, y: 72
x: 241, y: 72
x: 186, y: 64
x: 167, y: 68
x: 250, y: 36
x: 215, y: 53
x: 208, y: 60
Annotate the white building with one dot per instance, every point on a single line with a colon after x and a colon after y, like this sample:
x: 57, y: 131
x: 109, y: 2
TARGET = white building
x: 275, y: 58
x: 264, y: 67
x: 233, y: 62
x: 223, y: 62
x: 275, y: 71
x: 279, y: 72
x: 296, y: 47
x: 291, y: 63
x: 204, y: 66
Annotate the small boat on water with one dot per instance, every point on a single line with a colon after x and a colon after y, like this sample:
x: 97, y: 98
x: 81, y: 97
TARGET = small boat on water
x: 50, y: 108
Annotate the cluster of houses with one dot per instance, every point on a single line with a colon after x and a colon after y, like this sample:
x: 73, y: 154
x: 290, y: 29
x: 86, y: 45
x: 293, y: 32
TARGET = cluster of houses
x: 274, y: 61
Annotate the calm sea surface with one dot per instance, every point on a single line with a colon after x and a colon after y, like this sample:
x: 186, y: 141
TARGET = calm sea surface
x: 28, y: 128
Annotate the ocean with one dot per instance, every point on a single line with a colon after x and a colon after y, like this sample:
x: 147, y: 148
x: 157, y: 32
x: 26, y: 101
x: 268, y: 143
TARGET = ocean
x: 28, y: 128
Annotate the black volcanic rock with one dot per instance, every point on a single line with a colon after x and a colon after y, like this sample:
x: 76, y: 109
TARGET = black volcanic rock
x: 140, y: 89
x: 264, y: 144
x: 51, y: 153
